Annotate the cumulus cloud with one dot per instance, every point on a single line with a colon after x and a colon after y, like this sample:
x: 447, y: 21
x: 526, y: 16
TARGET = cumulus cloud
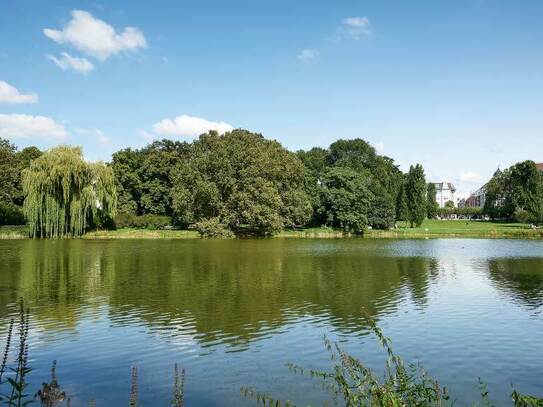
x: 95, y: 37
x: 10, y: 94
x: 96, y: 134
x: 308, y: 54
x: 66, y: 61
x: 189, y: 126
x: 355, y: 28
x: 22, y: 126
x: 470, y: 177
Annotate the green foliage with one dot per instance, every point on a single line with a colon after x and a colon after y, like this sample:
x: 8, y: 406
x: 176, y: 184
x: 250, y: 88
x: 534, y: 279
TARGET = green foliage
x: 12, y: 163
x: 213, y: 228
x: 346, y: 199
x: 498, y: 203
x: 351, y: 383
x: 527, y: 189
x: 315, y: 160
x: 245, y: 181
x: 449, y: 204
x: 8, y: 171
x: 431, y: 203
x: 383, y: 177
x: 252, y: 185
x: 150, y: 221
x: 381, y: 214
x: 143, y: 177
x: 357, y: 154
x: 402, y: 211
x: 520, y: 400
x: 23, y: 160
x: 65, y: 194
x: 16, y: 385
x: 516, y: 191
x: 416, y: 195
x: 361, y: 156
x: 316, y: 163
x: 11, y: 214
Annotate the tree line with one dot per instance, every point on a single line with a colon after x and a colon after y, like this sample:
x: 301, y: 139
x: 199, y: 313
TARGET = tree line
x: 516, y: 193
x: 235, y: 183
x: 242, y: 182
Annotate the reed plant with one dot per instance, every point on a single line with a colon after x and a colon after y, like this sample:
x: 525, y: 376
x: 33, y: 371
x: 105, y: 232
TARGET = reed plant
x: 351, y: 383
x: 13, y: 385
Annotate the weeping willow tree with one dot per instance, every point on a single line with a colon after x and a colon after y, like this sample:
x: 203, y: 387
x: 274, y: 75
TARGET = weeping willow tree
x: 64, y: 194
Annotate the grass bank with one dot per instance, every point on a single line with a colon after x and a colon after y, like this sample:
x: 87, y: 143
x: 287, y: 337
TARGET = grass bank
x: 13, y: 232
x: 429, y: 229
x: 461, y: 228
x: 142, y: 234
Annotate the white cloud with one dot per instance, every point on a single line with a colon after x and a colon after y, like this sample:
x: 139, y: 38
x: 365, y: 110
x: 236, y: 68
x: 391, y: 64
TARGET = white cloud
x: 308, y: 54
x: 96, y: 134
x: 10, y: 94
x: 21, y: 126
x: 355, y: 28
x: 189, y: 126
x: 66, y: 61
x: 472, y: 177
x: 95, y: 37
x: 380, y: 147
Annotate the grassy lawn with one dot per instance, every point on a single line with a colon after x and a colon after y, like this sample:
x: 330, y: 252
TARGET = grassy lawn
x: 461, y: 228
x: 141, y: 234
x: 430, y: 228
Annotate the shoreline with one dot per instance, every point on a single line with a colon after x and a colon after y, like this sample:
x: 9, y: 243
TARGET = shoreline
x: 429, y: 230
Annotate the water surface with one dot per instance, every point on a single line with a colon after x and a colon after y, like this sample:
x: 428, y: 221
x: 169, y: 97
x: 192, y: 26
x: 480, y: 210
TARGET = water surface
x: 233, y: 313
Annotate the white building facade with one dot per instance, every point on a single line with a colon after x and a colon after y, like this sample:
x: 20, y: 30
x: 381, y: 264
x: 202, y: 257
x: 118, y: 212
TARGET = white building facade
x: 445, y: 193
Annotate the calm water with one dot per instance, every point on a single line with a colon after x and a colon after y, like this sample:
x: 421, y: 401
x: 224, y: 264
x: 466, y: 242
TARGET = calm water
x: 233, y: 313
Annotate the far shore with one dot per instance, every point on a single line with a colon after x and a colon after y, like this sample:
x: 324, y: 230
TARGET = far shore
x: 429, y: 229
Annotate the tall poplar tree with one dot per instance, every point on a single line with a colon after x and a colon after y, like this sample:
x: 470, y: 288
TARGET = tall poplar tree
x: 64, y: 194
x: 401, y: 203
x: 416, y: 195
x: 431, y: 205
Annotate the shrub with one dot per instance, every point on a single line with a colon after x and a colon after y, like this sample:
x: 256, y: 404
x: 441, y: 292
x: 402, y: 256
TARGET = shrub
x: 212, y: 228
x: 355, y: 384
x: 523, y: 216
x: 14, y: 389
x: 149, y: 221
x: 11, y: 214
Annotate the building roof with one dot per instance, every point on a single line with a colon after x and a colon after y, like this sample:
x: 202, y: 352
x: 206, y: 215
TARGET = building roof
x: 440, y: 186
x: 539, y: 166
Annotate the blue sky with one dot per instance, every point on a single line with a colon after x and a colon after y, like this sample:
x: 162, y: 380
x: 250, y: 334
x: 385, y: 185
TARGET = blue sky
x: 456, y: 86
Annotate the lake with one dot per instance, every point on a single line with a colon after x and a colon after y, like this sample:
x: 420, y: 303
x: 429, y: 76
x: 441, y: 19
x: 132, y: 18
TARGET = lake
x: 233, y: 313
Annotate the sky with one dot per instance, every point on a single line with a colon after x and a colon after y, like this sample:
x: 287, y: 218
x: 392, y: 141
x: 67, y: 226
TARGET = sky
x: 454, y: 85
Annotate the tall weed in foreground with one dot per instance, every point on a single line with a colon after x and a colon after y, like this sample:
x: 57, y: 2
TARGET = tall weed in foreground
x: 13, y: 384
x: 351, y: 383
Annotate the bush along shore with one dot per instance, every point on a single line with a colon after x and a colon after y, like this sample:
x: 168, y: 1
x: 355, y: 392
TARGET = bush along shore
x: 349, y: 382
x: 241, y: 183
